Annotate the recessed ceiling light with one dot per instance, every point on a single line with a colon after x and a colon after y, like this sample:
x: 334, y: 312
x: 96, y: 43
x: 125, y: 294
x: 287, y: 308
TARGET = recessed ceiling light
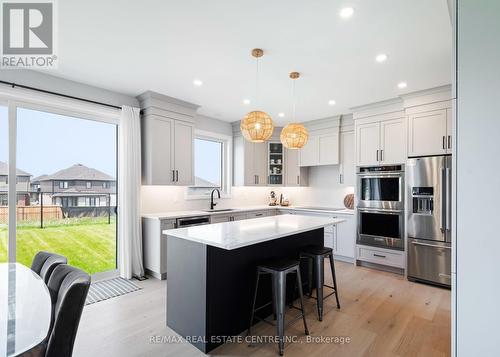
x: 246, y: 101
x: 402, y: 85
x: 197, y: 83
x: 381, y: 58
x: 281, y: 115
x: 332, y: 102
x: 346, y: 12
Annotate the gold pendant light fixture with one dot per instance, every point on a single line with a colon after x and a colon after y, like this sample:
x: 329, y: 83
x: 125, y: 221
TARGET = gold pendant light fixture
x: 257, y: 126
x: 294, y: 135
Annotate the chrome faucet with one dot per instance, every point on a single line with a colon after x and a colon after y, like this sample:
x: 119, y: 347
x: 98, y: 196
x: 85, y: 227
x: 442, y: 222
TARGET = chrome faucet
x: 212, y: 204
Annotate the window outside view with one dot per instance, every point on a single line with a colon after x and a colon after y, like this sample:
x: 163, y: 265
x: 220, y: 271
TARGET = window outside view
x: 4, y: 152
x: 66, y: 189
x: 208, y: 165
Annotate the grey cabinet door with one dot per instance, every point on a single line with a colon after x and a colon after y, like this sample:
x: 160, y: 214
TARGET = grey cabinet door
x: 260, y: 163
x: 183, y: 153
x: 157, y: 152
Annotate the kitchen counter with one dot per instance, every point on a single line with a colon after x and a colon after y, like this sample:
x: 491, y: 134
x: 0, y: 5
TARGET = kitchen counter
x: 211, y: 271
x: 232, y: 235
x: 241, y: 209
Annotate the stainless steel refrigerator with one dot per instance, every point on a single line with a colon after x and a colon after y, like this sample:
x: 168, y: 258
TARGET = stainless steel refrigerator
x: 429, y: 219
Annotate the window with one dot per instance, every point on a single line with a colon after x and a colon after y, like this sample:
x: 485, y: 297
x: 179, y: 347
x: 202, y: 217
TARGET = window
x: 89, y: 184
x: 211, y: 164
x: 105, y: 184
x: 63, y: 184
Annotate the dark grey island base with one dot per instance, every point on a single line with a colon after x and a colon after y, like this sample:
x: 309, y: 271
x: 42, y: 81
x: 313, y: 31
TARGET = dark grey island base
x: 209, y: 289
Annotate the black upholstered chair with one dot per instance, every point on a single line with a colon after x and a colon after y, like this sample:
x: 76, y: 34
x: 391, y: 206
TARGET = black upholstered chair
x: 44, y: 264
x: 68, y: 287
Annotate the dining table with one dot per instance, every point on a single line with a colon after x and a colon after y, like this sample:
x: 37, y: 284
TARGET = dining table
x: 25, y: 309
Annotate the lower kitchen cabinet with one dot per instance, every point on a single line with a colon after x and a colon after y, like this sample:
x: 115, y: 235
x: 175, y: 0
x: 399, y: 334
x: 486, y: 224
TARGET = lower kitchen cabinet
x: 381, y: 256
x: 154, y: 246
x: 345, y: 239
x: 216, y: 218
x: 341, y: 238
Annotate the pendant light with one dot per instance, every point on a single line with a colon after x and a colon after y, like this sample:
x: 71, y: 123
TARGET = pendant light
x: 294, y: 135
x: 257, y: 126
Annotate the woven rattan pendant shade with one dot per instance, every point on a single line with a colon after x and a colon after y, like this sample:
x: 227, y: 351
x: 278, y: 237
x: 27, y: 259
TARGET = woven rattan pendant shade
x: 294, y: 136
x: 257, y: 126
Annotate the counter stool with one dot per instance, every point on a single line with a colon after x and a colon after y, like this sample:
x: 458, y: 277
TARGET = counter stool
x: 279, y: 269
x: 315, y: 256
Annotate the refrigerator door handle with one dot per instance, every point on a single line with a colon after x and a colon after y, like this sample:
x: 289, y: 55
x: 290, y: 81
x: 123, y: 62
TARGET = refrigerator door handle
x: 443, y: 199
x: 448, y: 198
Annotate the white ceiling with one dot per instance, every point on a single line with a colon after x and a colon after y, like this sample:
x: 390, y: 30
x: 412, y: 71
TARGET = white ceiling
x: 134, y: 46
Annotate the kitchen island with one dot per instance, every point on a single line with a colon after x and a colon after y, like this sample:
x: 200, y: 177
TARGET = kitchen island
x: 211, y: 272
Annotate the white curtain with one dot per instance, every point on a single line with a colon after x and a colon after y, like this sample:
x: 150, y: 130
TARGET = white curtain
x: 129, y: 188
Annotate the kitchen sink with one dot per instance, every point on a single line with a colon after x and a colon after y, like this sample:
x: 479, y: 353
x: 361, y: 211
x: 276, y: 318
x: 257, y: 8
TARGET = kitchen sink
x: 219, y: 210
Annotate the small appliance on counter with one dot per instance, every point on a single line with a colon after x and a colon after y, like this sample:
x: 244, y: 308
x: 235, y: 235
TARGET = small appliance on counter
x: 284, y: 201
x: 273, y: 200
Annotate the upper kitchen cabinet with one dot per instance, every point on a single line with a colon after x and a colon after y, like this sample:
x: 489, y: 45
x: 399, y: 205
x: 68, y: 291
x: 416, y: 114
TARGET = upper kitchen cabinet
x: 380, y: 134
x: 429, y: 122
x: 249, y: 161
x: 167, y: 131
x: 347, y: 169
x: 322, y: 147
x: 294, y: 174
x: 367, y: 143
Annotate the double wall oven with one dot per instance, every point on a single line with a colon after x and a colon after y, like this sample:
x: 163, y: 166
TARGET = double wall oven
x: 381, y: 218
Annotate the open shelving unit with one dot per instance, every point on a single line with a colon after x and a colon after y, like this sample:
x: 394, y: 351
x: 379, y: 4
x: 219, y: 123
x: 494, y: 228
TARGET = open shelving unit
x: 275, y: 163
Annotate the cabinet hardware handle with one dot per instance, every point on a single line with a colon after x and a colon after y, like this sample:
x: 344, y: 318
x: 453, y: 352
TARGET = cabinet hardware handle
x: 173, y: 175
x: 381, y: 155
x: 449, y: 141
x: 378, y: 255
x: 377, y: 155
x: 298, y: 180
x: 441, y: 275
x: 258, y: 214
x: 177, y: 175
x: 341, y: 178
x: 444, y: 142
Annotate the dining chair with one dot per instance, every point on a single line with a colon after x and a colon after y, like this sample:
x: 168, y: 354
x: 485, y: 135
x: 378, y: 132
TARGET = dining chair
x: 68, y: 287
x: 44, y: 264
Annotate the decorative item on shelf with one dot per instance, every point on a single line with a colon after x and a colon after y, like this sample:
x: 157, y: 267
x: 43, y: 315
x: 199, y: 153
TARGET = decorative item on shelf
x: 273, y: 200
x: 349, y: 201
x: 294, y: 135
x: 257, y: 126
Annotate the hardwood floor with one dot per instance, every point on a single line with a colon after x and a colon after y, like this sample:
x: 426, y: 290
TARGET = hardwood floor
x: 381, y: 313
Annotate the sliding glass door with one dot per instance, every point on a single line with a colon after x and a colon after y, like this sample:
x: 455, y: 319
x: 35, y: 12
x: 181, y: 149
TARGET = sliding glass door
x: 66, y: 197
x: 4, y: 172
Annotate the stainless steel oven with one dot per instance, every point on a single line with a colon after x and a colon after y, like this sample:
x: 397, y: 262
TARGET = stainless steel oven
x: 381, y: 228
x: 381, y: 187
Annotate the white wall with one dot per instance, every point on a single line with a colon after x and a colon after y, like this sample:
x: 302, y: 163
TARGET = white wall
x: 324, y: 190
x: 478, y: 178
x: 55, y: 84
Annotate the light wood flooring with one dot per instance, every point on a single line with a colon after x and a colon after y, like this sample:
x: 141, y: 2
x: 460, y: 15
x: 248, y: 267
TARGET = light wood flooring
x: 382, y: 313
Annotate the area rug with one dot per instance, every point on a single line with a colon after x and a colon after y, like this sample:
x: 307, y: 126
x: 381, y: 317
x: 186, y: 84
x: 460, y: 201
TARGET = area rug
x: 107, y: 289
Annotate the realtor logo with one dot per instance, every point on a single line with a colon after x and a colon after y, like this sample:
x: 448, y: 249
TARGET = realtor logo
x: 28, y: 34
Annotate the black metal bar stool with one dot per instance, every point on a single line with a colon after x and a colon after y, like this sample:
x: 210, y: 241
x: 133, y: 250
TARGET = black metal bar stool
x: 315, y: 256
x: 279, y: 269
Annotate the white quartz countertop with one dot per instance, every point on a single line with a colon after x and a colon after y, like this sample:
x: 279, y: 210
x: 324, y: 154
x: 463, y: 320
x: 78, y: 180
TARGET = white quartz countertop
x: 193, y: 213
x: 237, y: 234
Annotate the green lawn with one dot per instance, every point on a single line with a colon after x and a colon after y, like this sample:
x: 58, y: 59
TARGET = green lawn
x: 88, y: 244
